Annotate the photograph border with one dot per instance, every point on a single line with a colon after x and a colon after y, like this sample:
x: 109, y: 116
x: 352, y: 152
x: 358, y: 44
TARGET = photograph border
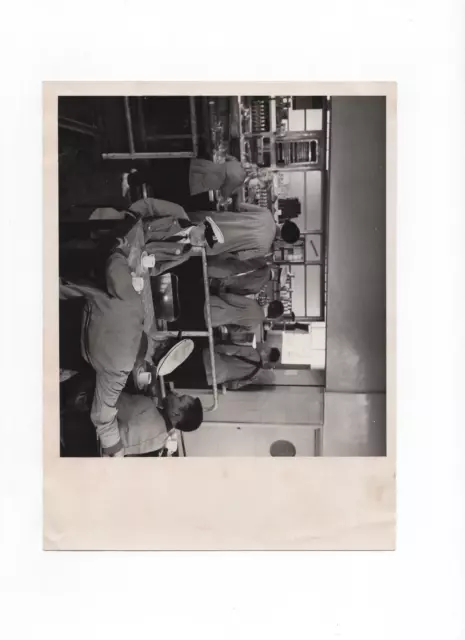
x: 300, y: 503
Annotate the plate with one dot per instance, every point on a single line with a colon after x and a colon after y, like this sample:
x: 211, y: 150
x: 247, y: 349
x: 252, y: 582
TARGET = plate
x: 175, y: 357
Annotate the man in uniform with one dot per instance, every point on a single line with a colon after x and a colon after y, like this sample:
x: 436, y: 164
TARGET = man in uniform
x: 236, y: 366
x: 249, y: 233
x: 183, y: 180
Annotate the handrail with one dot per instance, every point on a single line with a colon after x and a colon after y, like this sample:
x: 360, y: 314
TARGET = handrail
x: 211, y: 344
x: 208, y: 333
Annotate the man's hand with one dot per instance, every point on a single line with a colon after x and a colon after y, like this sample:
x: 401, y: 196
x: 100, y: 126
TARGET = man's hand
x: 234, y: 385
x: 118, y: 454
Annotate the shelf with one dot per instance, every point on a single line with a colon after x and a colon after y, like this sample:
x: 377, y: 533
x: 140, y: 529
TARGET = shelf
x: 275, y: 138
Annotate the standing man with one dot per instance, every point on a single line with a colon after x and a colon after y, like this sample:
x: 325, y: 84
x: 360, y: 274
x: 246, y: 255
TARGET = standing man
x: 235, y: 365
x: 169, y: 234
x: 181, y: 180
x: 145, y: 424
x: 239, y: 311
x: 244, y: 277
x: 249, y: 233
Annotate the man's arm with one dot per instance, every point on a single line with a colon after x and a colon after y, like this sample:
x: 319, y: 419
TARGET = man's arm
x: 249, y: 254
x: 119, y: 278
x: 69, y: 290
x: 252, y: 208
x: 152, y: 207
x: 104, y: 412
x: 236, y: 350
x: 163, y: 267
x: 235, y: 177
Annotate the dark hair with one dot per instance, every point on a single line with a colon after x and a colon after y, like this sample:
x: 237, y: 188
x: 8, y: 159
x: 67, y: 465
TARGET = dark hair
x: 192, y: 416
x: 274, y: 355
x: 290, y: 232
x: 275, y: 309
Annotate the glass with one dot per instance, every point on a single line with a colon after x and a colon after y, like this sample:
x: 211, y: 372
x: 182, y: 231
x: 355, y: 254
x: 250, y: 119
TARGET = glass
x: 313, y: 291
x: 312, y: 247
x: 312, y: 200
x: 298, y: 294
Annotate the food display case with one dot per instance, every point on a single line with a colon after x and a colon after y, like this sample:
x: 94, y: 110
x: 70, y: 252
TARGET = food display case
x: 283, y: 142
x: 281, y: 136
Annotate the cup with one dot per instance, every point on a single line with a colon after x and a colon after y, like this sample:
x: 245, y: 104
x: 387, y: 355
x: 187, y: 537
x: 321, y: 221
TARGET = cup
x: 144, y: 378
x: 148, y: 261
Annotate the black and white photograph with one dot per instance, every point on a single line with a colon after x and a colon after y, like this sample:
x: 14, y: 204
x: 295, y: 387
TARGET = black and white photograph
x: 222, y: 275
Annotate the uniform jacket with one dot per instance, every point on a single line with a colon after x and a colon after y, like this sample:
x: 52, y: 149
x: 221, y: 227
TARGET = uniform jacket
x: 141, y: 425
x: 205, y: 175
x: 240, y: 276
x: 237, y: 310
x: 233, y: 371
x: 147, y: 207
x: 247, y: 234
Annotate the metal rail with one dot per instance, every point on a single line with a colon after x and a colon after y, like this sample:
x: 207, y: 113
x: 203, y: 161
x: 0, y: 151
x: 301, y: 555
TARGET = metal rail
x: 147, y: 155
x: 211, y: 344
x: 200, y: 334
x: 127, y: 113
x: 193, y: 125
x: 151, y: 155
x: 79, y: 127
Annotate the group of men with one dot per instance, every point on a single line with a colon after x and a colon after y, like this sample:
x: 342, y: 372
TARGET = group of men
x: 237, y: 244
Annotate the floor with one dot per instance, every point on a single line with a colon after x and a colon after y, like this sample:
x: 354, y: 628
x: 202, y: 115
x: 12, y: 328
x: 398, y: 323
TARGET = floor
x: 243, y: 440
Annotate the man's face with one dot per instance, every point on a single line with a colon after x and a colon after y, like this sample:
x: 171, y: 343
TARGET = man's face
x: 265, y: 355
x: 175, y: 405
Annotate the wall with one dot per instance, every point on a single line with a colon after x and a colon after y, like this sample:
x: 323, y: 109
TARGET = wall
x: 354, y: 424
x: 304, y: 377
x: 278, y: 405
x: 355, y: 415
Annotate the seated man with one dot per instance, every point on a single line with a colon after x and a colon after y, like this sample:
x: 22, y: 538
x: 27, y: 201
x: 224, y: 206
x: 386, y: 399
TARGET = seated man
x: 112, y: 332
x: 235, y: 365
x: 145, y: 423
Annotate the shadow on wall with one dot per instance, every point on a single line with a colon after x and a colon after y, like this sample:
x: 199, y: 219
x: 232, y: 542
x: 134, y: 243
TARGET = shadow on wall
x: 355, y: 405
